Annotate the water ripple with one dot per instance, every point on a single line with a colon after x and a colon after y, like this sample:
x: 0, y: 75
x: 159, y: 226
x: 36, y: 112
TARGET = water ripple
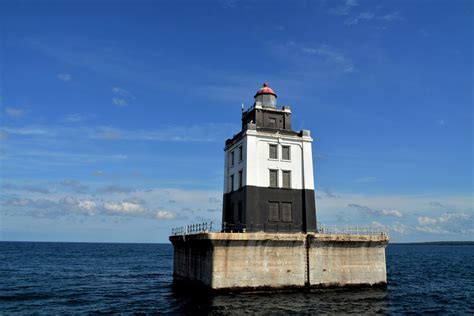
x: 57, y: 278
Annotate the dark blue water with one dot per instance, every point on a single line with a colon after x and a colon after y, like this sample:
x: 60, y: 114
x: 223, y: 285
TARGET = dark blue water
x: 57, y: 278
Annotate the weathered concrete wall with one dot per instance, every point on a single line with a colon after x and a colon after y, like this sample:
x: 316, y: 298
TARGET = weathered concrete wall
x: 255, y: 260
x: 262, y: 260
x: 193, y: 260
x: 336, y: 260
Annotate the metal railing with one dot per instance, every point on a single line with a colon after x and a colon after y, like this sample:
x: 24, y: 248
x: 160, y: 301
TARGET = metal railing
x: 206, y: 227
x: 372, y: 230
x: 192, y: 229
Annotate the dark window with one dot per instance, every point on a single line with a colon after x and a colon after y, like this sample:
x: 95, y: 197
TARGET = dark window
x: 286, y: 175
x: 231, y: 184
x: 273, y: 212
x: 274, y: 178
x: 240, y: 179
x: 272, y: 122
x: 273, y: 151
x: 241, y: 153
x: 239, y: 212
x: 232, y: 158
x: 286, y: 212
x: 285, y: 152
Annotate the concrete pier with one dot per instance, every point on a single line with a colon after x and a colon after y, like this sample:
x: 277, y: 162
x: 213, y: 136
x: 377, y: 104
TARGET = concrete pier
x: 232, y: 261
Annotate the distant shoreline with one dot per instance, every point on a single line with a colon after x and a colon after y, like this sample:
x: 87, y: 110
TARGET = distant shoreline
x: 441, y: 243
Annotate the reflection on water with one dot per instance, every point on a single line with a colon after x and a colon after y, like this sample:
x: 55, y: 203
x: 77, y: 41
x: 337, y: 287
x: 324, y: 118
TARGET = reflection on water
x: 361, y: 300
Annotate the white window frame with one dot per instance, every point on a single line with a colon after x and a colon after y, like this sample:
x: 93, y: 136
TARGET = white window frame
x: 277, y: 151
x: 283, y: 181
x: 277, y: 178
x: 289, y: 152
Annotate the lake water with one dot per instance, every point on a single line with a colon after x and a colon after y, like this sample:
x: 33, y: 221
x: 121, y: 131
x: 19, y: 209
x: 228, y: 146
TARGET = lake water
x: 57, y: 278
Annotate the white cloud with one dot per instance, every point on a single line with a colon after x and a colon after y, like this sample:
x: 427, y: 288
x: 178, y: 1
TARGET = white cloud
x: 124, y: 207
x: 407, y: 204
x: 19, y: 202
x: 206, y: 132
x: 432, y: 230
x: 122, y: 96
x: 119, y: 101
x: 73, y: 118
x: 417, y: 217
x: 444, y: 218
x: 87, y: 205
x: 361, y: 16
x: 447, y: 223
x: 168, y: 204
x: 401, y: 214
x: 231, y: 4
x: 400, y: 228
x: 375, y: 212
x: 114, y: 189
x: 326, y: 193
x: 448, y: 217
x: 331, y: 55
x: 389, y: 17
x: 165, y: 215
x: 423, y: 220
x: 64, y: 77
x: 14, y: 112
x: 345, y: 8
x: 109, y: 133
x: 394, y: 213
x: 30, y: 131
x: 122, y: 92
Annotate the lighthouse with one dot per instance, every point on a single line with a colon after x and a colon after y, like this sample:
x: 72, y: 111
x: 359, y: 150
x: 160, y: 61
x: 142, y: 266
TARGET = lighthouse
x: 268, y: 176
x: 268, y: 238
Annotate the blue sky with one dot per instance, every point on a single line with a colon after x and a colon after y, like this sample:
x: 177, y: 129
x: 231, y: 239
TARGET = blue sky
x: 114, y: 113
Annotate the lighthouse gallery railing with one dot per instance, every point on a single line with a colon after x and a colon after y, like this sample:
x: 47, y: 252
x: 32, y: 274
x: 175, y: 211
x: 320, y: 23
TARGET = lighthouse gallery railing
x: 207, y: 227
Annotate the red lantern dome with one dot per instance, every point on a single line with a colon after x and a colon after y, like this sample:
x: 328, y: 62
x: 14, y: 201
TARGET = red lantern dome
x: 265, y: 90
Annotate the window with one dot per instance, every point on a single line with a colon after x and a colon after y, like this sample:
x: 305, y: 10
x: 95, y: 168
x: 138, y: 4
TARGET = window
x: 241, y: 153
x: 273, y: 154
x: 274, y: 178
x: 272, y: 122
x: 286, y: 179
x: 285, y: 152
x: 286, y: 212
x: 240, y: 179
x: 232, y: 158
x: 231, y: 182
x: 273, y: 212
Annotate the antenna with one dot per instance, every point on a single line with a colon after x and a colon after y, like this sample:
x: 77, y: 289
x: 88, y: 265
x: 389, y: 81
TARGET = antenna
x: 242, y: 108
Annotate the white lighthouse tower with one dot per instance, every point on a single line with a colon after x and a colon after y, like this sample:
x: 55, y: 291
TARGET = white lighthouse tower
x: 268, y: 183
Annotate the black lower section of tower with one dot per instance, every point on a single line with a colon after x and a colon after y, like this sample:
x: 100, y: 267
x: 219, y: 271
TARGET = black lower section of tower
x: 254, y: 208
